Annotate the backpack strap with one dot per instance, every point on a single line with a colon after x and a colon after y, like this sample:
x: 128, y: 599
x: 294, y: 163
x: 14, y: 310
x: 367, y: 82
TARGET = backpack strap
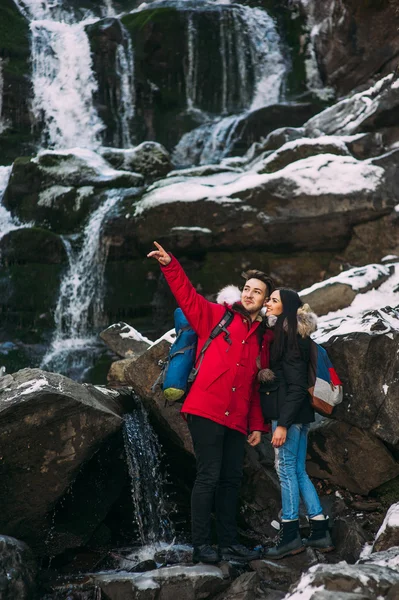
x: 218, y: 329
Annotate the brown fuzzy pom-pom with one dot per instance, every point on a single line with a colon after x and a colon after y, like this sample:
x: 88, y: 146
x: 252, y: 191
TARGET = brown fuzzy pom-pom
x: 266, y: 375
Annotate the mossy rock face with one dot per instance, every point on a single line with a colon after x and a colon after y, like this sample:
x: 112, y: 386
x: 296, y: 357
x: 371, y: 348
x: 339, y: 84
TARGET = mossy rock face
x: 15, y: 72
x: 130, y: 288
x: 28, y: 297
x: 32, y: 245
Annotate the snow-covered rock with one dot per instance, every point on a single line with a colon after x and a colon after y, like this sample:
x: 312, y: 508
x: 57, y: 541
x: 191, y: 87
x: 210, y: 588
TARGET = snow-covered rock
x: 340, y: 291
x: 362, y: 341
x: 125, y: 340
x: 150, y: 159
x: 201, y: 581
x: 388, y: 534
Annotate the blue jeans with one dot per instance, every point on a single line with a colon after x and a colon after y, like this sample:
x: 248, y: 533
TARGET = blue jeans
x: 291, y: 471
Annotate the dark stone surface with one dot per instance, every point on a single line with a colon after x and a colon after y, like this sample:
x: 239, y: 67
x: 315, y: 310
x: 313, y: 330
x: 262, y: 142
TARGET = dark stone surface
x: 50, y: 426
x: 18, y: 570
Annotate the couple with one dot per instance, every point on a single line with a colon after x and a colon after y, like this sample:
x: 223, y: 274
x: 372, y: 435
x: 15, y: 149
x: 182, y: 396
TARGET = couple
x: 232, y: 400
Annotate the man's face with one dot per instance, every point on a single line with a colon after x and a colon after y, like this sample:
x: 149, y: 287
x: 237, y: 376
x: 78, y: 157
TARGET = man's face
x: 254, y: 295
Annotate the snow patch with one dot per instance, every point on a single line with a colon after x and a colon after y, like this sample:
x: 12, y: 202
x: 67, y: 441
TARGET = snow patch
x: 357, y: 278
x: 391, y: 520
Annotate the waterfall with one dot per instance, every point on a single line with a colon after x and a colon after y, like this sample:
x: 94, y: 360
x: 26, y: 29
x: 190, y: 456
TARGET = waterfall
x: 63, y: 85
x: 126, y: 104
x: 143, y: 453
x: 253, y: 69
x: 7, y: 221
x: 80, y: 301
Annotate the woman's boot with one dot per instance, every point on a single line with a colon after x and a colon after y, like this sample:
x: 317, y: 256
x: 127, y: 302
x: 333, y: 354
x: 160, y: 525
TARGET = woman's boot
x: 289, y: 541
x: 320, y: 537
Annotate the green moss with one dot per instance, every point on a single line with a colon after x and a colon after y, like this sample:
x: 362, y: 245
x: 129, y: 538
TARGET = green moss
x: 137, y: 21
x: 14, y: 39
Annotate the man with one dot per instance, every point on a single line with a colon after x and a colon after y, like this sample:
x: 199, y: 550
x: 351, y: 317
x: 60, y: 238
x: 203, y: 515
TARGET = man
x: 221, y: 407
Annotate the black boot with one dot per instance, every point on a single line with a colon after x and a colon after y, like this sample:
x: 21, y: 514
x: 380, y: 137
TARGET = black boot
x: 238, y: 553
x: 320, y: 537
x: 289, y: 541
x: 206, y: 554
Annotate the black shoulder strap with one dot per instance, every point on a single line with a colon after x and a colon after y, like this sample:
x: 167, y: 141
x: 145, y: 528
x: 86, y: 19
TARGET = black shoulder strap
x: 219, y: 328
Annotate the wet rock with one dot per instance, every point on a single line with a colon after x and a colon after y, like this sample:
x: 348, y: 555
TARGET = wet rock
x: 150, y: 159
x: 116, y: 375
x: 349, y: 538
x: 366, y: 360
x: 141, y: 374
x: 369, y: 580
x: 283, y: 573
x: 190, y: 583
x: 125, y: 340
x: 373, y: 240
x: 353, y: 42
x: 245, y: 587
x: 260, y: 496
x: 388, y: 534
x: 275, y: 139
x: 61, y: 188
x: 174, y: 556
x: 32, y: 245
x: 340, y: 291
x: 350, y: 457
x: 51, y: 428
x: 18, y: 570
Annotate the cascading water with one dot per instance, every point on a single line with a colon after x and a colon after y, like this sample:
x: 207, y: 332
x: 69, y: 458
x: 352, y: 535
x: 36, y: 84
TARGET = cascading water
x: 143, y: 453
x: 62, y: 75
x: 80, y: 301
x: 253, y: 69
x: 126, y: 100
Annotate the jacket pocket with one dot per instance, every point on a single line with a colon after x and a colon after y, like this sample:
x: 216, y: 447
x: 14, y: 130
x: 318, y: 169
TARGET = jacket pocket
x: 269, y: 404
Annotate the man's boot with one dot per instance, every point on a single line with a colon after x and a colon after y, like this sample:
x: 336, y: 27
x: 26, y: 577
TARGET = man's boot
x: 205, y: 554
x: 288, y: 542
x: 238, y: 553
x: 320, y: 537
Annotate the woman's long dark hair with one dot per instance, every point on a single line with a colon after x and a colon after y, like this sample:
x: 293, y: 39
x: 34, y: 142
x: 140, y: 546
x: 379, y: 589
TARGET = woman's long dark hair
x: 286, y: 327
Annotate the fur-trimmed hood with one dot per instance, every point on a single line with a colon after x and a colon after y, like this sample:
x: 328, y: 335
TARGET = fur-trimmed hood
x: 307, y: 321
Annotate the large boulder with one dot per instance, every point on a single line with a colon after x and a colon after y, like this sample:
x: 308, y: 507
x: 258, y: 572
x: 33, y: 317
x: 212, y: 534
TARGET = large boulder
x: 125, y: 340
x: 50, y: 426
x: 349, y: 457
x: 369, y: 110
x: 352, y: 41
x: 60, y: 189
x: 363, y: 347
x: 150, y: 159
x: 304, y: 205
x: 18, y: 570
x: 340, y: 291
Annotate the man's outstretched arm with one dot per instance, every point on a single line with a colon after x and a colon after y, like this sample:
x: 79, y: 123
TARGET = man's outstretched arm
x: 200, y: 312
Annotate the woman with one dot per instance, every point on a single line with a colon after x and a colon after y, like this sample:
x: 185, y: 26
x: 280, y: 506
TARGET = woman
x: 285, y: 402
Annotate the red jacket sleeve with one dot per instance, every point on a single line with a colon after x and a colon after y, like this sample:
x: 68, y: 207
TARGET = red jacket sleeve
x: 202, y: 314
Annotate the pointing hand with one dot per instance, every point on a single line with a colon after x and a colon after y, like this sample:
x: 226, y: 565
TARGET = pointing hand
x: 160, y: 254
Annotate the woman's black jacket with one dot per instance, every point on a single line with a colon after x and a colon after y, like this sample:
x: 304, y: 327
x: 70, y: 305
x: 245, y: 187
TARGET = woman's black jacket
x: 286, y: 399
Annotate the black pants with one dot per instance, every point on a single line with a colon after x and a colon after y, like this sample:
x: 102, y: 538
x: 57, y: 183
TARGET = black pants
x: 220, y: 454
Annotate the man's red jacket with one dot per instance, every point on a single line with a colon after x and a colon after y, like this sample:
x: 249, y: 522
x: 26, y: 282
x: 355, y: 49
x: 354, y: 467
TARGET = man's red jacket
x: 225, y: 389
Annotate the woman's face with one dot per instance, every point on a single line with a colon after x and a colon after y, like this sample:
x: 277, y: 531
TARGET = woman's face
x: 274, y: 305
